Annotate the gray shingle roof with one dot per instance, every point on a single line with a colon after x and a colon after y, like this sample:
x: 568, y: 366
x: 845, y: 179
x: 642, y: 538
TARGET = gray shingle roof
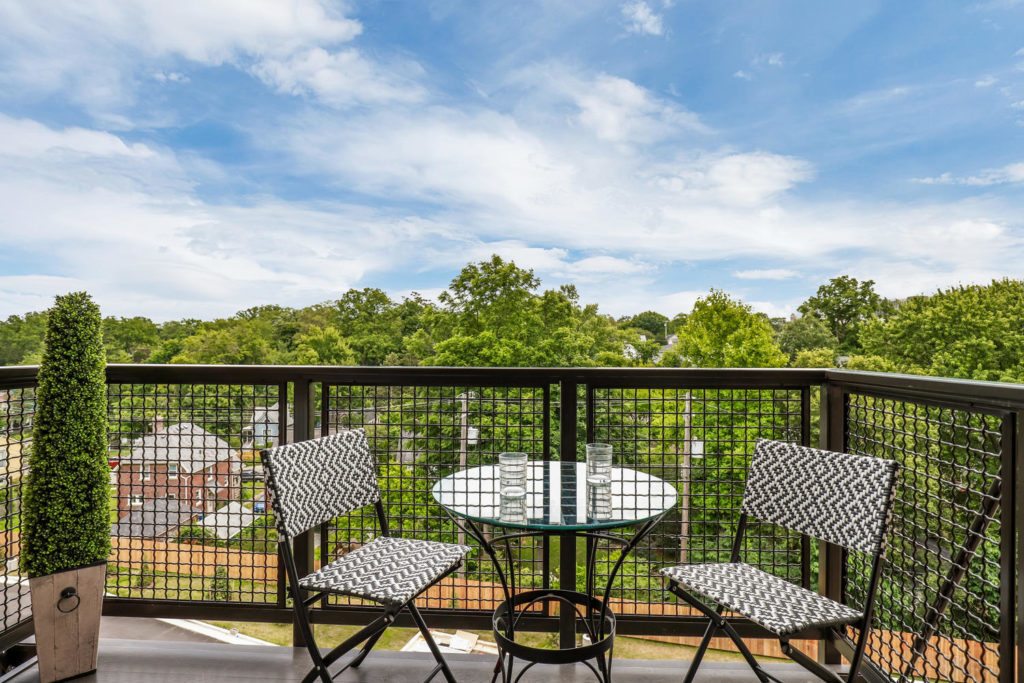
x: 154, y: 518
x: 188, y: 444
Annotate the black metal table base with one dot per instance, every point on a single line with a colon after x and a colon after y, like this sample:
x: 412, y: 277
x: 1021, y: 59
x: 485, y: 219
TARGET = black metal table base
x: 506, y: 618
x: 597, y: 618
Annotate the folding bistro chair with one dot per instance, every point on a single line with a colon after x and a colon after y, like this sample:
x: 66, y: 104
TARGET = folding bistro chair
x: 837, y: 497
x: 314, y: 481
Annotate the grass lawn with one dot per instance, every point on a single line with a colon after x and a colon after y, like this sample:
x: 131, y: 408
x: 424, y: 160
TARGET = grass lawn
x: 394, y: 638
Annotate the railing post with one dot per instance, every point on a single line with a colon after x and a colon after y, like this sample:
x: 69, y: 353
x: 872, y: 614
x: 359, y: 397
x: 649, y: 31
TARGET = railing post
x: 305, y: 427
x: 1010, y: 609
x: 1018, y: 452
x: 567, y: 542
x: 830, y: 556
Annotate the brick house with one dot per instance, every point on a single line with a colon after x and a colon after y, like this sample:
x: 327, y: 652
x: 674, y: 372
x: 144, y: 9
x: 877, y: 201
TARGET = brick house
x: 182, y: 462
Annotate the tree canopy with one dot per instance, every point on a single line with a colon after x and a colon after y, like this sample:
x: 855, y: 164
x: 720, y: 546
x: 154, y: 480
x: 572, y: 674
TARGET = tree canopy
x: 724, y: 333
x: 843, y: 304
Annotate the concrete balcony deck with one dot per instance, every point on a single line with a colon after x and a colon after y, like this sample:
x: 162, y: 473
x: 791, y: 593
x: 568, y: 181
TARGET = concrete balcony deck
x: 123, y: 661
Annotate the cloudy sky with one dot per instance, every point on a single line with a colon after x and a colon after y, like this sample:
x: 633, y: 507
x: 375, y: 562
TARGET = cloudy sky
x: 196, y: 157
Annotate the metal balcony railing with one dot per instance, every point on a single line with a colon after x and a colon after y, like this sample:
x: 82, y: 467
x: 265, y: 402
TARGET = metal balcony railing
x: 193, y: 534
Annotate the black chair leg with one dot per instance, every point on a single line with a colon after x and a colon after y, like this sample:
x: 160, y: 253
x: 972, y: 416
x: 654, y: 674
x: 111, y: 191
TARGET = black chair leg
x: 319, y: 669
x: 370, y: 642
x: 434, y: 650
x: 701, y: 649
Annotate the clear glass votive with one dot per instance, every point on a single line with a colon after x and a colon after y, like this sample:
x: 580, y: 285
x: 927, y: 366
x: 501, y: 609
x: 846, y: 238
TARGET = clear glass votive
x: 599, y: 459
x: 513, y: 504
x: 512, y: 469
x: 599, y: 497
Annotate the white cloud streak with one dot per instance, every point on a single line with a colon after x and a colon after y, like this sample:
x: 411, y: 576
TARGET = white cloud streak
x: 1011, y: 173
x: 642, y: 19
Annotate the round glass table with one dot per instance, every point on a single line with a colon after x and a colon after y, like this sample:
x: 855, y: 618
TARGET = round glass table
x: 558, y: 501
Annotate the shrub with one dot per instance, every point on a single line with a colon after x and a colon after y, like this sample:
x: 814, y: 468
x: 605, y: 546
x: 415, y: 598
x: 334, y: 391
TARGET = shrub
x: 67, y: 491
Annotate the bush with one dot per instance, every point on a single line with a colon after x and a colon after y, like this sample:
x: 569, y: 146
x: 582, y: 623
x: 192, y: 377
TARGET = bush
x: 67, y: 491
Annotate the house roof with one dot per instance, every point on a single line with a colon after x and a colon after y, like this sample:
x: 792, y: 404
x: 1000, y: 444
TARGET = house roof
x: 155, y: 518
x: 188, y: 444
x: 229, y: 521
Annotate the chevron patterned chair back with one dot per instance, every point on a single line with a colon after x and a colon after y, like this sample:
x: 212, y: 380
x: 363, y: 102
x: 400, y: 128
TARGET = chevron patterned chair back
x: 840, y: 498
x: 312, y: 482
x: 836, y: 497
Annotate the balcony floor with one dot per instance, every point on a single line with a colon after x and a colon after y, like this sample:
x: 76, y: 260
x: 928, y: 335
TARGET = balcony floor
x: 160, y: 661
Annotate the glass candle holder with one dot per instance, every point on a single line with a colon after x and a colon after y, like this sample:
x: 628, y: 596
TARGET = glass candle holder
x: 512, y: 470
x: 599, y: 497
x: 599, y: 459
x: 513, y: 504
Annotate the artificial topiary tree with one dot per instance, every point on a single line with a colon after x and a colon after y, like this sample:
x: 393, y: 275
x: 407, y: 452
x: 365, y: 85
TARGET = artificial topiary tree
x: 66, y: 515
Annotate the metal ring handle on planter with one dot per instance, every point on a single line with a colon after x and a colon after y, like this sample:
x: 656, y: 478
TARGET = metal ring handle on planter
x: 67, y: 594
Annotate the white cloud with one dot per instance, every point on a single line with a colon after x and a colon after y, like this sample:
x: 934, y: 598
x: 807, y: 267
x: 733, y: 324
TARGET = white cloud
x: 741, y: 74
x: 766, y: 274
x: 136, y: 235
x: 769, y: 59
x: 1011, y: 173
x: 173, y: 77
x: 341, y: 78
x: 642, y: 18
x: 92, y: 51
x: 986, y: 81
x: 27, y: 138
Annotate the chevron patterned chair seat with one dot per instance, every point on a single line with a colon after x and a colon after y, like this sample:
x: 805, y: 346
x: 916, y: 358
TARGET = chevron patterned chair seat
x: 387, y: 569
x: 312, y: 482
x: 776, y: 604
x: 840, y: 498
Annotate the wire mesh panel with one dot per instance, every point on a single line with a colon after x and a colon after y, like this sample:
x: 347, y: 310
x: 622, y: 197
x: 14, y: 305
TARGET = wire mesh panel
x: 700, y: 441
x: 17, y: 407
x: 189, y: 515
x: 419, y: 434
x: 938, y: 610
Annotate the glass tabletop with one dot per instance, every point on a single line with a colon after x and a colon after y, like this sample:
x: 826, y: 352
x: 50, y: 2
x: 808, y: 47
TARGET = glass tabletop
x: 556, y: 497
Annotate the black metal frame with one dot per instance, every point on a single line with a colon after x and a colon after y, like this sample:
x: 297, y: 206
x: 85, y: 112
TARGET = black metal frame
x: 597, y: 618
x: 370, y: 633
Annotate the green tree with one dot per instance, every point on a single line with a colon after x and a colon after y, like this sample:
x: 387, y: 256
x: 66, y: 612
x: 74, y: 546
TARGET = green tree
x: 815, y: 358
x: 134, y: 338
x: 220, y: 585
x: 973, y: 332
x: 653, y: 323
x: 21, y: 339
x: 804, y: 334
x: 236, y: 341
x: 843, y: 304
x: 323, y: 346
x: 723, y: 333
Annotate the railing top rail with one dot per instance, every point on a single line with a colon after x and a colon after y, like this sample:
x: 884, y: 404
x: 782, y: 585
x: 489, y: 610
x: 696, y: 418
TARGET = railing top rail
x: 18, y: 375
x: 961, y: 391
x: 965, y: 392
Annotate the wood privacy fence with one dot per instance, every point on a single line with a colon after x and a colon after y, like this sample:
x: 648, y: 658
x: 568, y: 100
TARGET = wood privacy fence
x: 194, y: 560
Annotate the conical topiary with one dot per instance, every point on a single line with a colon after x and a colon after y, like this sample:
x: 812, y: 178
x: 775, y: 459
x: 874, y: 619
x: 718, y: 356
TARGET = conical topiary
x: 66, y: 510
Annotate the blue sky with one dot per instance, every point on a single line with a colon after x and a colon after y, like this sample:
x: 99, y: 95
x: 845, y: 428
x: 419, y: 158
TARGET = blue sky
x: 194, y: 158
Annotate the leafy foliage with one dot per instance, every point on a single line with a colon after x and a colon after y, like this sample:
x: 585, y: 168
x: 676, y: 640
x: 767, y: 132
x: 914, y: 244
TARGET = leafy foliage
x: 723, y: 333
x: 66, y: 510
x: 970, y: 332
x: 843, y: 304
x: 804, y: 334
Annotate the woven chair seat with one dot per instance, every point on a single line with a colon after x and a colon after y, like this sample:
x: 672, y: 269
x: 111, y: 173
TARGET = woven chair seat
x: 387, y: 569
x: 778, y: 605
